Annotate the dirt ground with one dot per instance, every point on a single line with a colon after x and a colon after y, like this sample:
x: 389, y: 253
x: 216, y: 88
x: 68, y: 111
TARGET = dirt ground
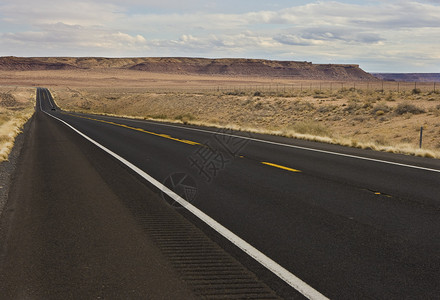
x: 16, y: 107
x: 354, y: 114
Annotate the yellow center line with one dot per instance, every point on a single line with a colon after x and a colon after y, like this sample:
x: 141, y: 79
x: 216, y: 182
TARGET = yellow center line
x: 137, y: 129
x: 280, y: 167
x: 381, y: 194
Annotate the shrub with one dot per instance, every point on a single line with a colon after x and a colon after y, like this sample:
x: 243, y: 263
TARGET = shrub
x: 404, y: 108
x: 185, y: 118
x: 390, y: 98
x: 313, y: 128
x: 235, y: 93
x: 159, y: 116
x: 303, y: 106
x: 7, y: 100
x: 381, y: 140
x: 416, y: 91
x: 326, y: 108
x: 320, y: 96
x: 85, y: 104
x: 381, y: 107
x: 352, y: 107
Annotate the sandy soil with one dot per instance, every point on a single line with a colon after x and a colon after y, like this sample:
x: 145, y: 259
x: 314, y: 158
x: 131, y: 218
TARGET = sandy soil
x: 120, y: 78
x: 357, y: 114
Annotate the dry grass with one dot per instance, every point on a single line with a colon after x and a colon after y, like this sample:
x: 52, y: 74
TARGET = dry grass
x: 365, y: 119
x: 16, y: 107
x: 384, y: 117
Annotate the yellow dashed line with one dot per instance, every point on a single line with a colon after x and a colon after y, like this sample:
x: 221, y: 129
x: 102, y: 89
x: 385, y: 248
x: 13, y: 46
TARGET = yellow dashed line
x: 166, y: 136
x: 381, y: 194
x: 139, y: 129
x: 280, y: 167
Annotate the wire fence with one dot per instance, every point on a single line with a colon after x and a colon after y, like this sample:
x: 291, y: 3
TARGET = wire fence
x: 295, y: 87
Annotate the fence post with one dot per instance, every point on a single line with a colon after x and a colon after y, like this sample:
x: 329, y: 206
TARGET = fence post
x: 421, y: 137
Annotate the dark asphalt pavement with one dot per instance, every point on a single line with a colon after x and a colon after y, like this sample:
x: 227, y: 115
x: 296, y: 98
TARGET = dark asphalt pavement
x: 68, y: 234
x: 351, y: 223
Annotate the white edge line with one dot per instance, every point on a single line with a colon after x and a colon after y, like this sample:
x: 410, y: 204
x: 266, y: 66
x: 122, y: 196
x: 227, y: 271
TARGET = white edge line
x: 260, y: 257
x: 291, y: 146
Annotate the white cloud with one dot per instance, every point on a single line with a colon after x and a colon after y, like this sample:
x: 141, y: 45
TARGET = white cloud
x: 68, y: 12
x: 323, y: 31
x: 61, y: 38
x: 295, y: 40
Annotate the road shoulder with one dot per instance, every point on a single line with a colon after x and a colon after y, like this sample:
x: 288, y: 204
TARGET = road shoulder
x: 68, y: 235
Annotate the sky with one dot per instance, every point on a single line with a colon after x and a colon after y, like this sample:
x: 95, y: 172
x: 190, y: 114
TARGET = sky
x: 380, y: 36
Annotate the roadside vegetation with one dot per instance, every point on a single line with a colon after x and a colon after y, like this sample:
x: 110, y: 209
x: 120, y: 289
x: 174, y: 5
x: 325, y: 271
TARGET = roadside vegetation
x: 370, y: 119
x: 16, y: 107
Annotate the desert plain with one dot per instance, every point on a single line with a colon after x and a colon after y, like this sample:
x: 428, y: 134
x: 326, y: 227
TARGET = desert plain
x: 383, y: 116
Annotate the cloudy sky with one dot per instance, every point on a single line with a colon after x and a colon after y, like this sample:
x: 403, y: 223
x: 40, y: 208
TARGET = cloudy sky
x: 381, y: 36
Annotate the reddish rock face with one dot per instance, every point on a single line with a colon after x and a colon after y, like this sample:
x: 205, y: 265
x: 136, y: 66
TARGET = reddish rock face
x: 203, y: 66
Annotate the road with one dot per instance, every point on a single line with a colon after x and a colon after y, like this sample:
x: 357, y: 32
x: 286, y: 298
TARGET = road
x: 347, y: 223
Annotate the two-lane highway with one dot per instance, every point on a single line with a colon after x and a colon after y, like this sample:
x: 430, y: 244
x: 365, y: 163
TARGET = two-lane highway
x: 347, y: 223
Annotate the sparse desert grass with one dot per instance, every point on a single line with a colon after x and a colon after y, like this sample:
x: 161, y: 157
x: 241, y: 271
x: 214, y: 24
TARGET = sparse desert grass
x: 384, y: 116
x: 312, y: 128
x: 350, y: 117
x: 16, y: 107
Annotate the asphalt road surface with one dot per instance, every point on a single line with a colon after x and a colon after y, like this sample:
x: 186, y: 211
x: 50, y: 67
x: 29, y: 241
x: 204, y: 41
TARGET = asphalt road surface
x: 347, y: 223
